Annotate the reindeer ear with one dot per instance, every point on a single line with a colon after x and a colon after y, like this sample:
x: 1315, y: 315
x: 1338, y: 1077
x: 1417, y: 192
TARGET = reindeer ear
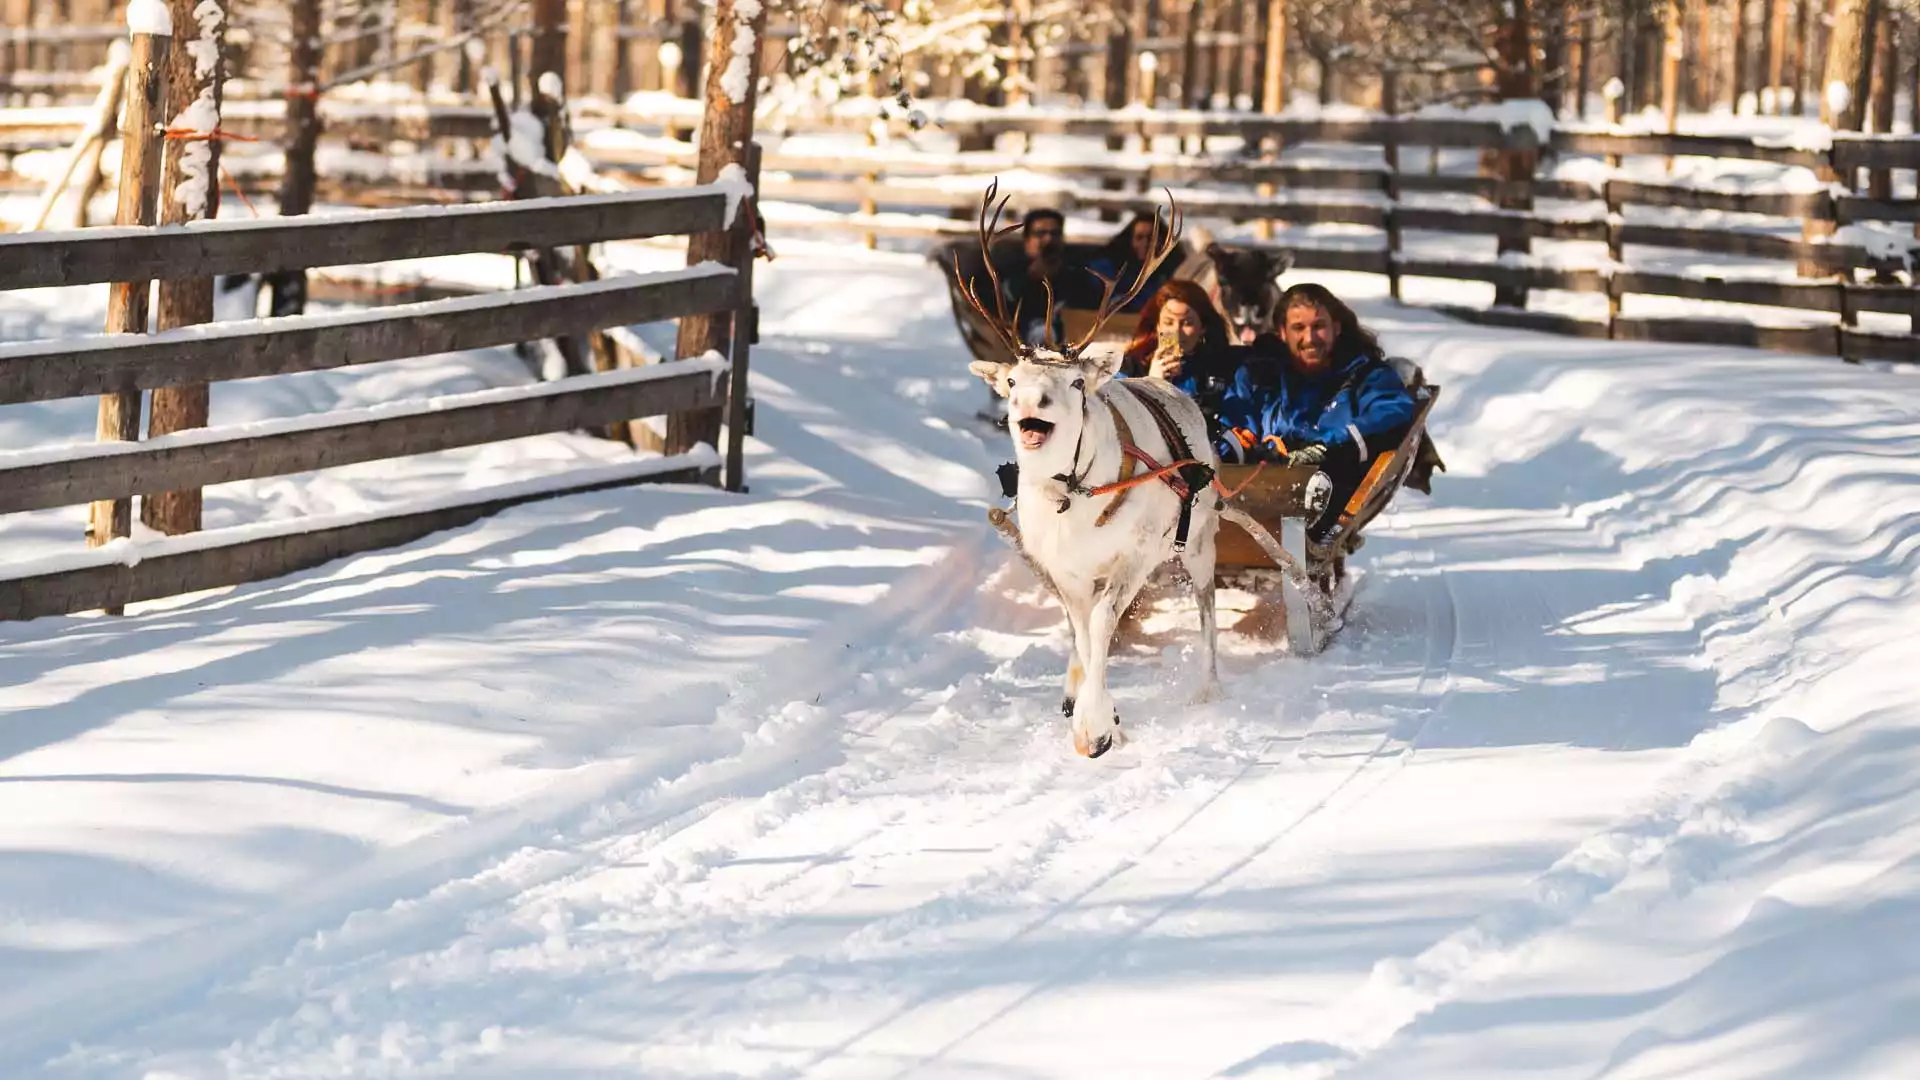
x: 993, y: 373
x: 1101, y: 363
x: 1279, y: 263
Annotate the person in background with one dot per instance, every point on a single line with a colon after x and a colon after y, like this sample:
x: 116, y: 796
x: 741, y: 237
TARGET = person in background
x: 1123, y: 256
x: 1328, y: 399
x: 1040, y: 262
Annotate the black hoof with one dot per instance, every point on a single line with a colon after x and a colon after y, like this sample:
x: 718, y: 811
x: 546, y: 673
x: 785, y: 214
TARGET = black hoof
x: 1105, y: 744
x: 1066, y: 707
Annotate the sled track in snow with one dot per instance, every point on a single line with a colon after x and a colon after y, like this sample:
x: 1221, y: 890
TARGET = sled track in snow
x: 1344, y: 792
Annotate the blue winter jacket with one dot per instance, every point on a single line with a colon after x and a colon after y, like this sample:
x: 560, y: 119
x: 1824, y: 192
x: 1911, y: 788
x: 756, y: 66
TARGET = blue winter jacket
x: 1356, y: 404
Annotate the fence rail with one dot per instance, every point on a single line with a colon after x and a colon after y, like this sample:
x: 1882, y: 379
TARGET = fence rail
x: 122, y: 365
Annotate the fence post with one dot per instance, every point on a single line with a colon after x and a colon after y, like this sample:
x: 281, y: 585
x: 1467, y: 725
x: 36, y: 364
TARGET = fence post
x: 1390, y: 151
x: 746, y: 331
x: 726, y: 130
x: 192, y: 185
x: 1114, y: 93
x: 127, y: 301
x: 1615, y: 251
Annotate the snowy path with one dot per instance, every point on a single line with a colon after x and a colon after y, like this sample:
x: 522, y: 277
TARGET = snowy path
x: 785, y: 791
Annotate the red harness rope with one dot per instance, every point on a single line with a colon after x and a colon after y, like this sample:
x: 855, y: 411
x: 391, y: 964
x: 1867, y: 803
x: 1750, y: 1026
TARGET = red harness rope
x: 1157, y: 471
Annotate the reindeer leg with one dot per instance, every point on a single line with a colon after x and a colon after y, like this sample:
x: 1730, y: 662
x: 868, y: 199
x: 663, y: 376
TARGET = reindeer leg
x: 1077, y: 612
x: 1096, y: 723
x: 1199, y: 561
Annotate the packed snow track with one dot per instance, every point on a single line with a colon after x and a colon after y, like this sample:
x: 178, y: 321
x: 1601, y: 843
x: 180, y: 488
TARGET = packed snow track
x: 670, y: 783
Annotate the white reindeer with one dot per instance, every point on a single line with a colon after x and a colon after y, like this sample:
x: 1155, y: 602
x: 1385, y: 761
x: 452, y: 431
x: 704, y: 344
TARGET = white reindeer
x: 1108, y: 469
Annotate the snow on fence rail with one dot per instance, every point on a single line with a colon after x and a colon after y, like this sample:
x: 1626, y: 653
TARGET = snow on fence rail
x: 122, y: 571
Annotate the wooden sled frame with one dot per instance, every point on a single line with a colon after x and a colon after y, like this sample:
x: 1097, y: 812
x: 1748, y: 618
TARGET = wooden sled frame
x: 1277, y: 500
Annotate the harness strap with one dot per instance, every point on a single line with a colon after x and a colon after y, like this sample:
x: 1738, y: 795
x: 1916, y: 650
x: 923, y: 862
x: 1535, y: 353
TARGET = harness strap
x: 1127, y: 460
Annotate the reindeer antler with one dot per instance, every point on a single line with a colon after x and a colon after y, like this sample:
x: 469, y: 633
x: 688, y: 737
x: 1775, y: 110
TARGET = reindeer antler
x: 1164, y: 245
x: 1007, y: 329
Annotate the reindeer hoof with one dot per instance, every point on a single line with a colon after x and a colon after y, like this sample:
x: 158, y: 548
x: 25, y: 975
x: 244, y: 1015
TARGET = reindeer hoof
x: 1105, y: 744
x: 1066, y: 707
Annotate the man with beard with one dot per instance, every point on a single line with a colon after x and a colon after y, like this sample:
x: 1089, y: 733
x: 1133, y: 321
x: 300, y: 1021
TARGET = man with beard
x: 1329, y: 400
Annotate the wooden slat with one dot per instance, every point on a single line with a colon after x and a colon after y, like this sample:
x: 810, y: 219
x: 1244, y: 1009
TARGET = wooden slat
x: 1830, y: 257
x: 1817, y: 204
x: 1851, y: 208
x: 218, y: 456
x: 1813, y: 340
x: 1250, y: 209
x: 1462, y: 221
x: 1894, y: 299
x: 1662, y: 145
x: 1406, y: 131
x: 1527, y: 320
x: 1518, y: 277
x: 1594, y: 230
x: 1803, y: 296
x: 1855, y: 345
x: 1485, y: 187
x: 1356, y: 260
x: 213, y: 562
x: 1493, y: 222
x: 218, y: 352
x: 90, y: 256
x: 1570, y: 190
x: 1568, y: 279
x: 1871, y: 152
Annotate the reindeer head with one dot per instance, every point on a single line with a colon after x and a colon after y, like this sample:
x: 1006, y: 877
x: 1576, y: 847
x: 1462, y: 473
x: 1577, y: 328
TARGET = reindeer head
x: 1249, y: 287
x: 1047, y: 387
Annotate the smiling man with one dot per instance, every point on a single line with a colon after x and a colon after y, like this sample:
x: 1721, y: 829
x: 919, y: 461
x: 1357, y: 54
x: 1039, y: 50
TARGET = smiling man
x: 1331, y: 400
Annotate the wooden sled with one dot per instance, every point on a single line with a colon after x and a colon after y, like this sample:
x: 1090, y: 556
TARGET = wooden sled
x: 1282, y: 500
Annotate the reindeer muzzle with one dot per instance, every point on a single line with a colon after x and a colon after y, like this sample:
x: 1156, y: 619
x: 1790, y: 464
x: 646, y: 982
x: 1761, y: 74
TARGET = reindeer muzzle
x: 1034, y: 432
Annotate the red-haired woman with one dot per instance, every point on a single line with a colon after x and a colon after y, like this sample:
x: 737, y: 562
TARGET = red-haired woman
x: 1182, y: 338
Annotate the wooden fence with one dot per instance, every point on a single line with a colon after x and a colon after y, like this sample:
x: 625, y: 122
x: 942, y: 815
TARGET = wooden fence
x: 113, y: 575
x: 1790, y: 226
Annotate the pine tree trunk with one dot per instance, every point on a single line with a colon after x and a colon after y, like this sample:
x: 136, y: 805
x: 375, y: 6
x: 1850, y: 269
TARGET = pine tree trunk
x: 1273, y: 83
x: 1774, y: 45
x: 1740, y: 64
x: 1671, y: 53
x: 187, y: 302
x: 1846, y: 67
x: 1583, y: 70
x: 1553, y: 74
x: 1191, y: 75
x: 289, y: 288
x: 726, y: 127
x: 1805, y: 70
x: 1701, y: 50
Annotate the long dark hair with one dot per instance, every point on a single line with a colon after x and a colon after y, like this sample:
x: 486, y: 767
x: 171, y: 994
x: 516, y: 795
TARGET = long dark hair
x: 1354, y: 340
x: 1146, y: 331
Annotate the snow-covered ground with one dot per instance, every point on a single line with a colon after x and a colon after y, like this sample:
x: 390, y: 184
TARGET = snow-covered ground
x: 1609, y: 775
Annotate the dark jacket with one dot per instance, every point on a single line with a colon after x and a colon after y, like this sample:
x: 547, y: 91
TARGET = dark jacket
x: 1205, y: 376
x: 1355, y: 408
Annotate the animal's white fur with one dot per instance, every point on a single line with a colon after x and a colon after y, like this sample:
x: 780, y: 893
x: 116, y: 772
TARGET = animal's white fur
x: 1097, y: 570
